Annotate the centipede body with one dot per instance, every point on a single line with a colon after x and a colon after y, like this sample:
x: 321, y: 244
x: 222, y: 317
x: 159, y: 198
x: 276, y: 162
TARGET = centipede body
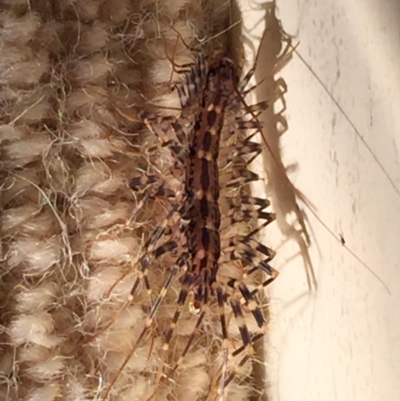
x: 214, y: 88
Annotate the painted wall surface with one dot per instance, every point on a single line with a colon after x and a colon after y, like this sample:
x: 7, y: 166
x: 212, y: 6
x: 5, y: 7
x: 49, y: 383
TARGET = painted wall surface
x: 341, y: 340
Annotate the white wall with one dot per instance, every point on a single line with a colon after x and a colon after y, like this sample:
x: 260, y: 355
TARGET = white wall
x: 340, y: 341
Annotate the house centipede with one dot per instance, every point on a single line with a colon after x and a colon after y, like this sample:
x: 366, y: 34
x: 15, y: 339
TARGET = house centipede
x: 204, y: 206
x: 198, y: 242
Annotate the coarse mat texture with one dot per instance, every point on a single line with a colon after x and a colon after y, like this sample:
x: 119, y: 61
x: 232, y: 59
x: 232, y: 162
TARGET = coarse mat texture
x: 74, y: 75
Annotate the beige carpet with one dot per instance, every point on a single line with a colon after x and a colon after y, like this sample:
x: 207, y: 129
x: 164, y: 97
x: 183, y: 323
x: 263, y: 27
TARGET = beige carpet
x: 74, y: 75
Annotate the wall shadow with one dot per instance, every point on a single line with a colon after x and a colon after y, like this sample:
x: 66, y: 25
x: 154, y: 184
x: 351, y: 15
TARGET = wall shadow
x: 275, y: 53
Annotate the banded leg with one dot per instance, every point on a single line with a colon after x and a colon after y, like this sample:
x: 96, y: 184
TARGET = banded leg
x: 247, y: 208
x: 248, y: 249
x: 247, y: 340
x: 248, y: 299
x: 234, y: 152
x: 149, y: 321
x: 241, y: 177
x: 161, y: 250
x: 189, y: 91
x: 225, y: 382
x: 182, y: 297
x: 151, y: 251
x: 161, y: 127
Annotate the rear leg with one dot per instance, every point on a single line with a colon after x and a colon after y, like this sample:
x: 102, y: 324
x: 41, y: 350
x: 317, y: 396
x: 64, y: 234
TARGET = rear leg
x: 152, y: 249
x: 241, y: 296
x: 149, y: 321
x: 235, y: 303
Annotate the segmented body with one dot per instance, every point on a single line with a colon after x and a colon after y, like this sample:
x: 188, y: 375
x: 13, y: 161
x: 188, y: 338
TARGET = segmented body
x: 202, y: 186
x: 196, y: 149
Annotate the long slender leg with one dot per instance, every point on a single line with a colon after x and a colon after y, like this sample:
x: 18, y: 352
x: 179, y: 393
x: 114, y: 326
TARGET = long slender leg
x: 247, y: 344
x: 161, y: 250
x: 149, y: 321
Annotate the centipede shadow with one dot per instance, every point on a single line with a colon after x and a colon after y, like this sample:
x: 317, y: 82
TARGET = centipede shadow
x: 275, y: 52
